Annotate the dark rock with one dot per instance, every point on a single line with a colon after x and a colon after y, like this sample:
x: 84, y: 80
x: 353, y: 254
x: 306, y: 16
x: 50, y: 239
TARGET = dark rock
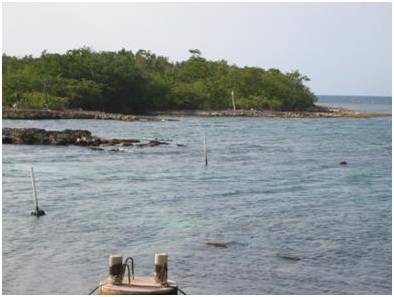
x: 156, y: 142
x: 152, y: 143
x: 220, y: 244
x: 289, y: 257
x: 40, y: 114
x: 66, y: 137
x: 41, y: 136
x: 127, y: 143
x: 119, y: 141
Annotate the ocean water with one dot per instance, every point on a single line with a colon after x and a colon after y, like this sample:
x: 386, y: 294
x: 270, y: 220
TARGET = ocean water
x: 272, y: 187
x: 358, y: 103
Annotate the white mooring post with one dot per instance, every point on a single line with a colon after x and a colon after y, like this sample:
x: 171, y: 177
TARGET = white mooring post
x: 115, y: 263
x: 233, y: 100
x: 37, y: 212
x: 205, y: 151
x: 161, y: 260
x: 33, y: 183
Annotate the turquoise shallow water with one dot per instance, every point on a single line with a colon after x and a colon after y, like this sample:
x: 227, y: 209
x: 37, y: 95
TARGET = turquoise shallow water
x: 272, y: 186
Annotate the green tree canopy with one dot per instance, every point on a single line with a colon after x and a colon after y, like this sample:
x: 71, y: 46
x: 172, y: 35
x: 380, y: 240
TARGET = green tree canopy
x: 129, y: 82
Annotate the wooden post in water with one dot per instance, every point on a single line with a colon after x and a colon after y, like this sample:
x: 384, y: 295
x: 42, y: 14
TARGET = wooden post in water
x: 37, y: 212
x: 233, y: 100
x: 205, y: 151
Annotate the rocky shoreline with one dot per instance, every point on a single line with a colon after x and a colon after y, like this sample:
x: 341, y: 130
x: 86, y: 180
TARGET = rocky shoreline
x: 46, y: 114
x: 313, y: 112
x: 34, y: 136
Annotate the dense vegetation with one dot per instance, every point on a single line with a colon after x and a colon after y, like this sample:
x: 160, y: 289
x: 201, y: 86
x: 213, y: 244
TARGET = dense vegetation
x: 124, y: 81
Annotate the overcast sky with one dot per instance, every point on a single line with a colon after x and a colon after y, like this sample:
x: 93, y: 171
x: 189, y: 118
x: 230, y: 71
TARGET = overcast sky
x: 345, y: 48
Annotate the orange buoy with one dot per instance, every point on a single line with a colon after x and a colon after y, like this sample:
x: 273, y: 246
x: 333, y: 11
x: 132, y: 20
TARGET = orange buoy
x: 343, y: 162
x: 140, y: 285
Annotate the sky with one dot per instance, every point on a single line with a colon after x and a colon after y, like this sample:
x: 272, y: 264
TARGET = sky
x: 344, y: 48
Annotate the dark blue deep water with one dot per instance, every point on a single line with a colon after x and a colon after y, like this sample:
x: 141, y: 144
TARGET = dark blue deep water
x: 272, y: 186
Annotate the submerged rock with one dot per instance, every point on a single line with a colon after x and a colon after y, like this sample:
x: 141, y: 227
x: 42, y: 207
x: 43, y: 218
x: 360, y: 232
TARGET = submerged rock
x: 289, y: 257
x: 221, y: 244
x: 151, y: 143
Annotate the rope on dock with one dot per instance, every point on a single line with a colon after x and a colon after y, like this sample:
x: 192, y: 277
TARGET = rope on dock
x: 94, y: 290
x: 183, y: 293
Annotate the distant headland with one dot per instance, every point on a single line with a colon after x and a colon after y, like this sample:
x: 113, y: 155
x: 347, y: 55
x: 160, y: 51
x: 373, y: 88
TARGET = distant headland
x: 83, y: 83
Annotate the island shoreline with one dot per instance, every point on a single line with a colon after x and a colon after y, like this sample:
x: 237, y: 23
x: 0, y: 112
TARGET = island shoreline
x: 314, y: 112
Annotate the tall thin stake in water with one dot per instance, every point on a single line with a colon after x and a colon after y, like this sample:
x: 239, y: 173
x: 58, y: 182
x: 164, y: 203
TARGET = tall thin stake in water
x: 33, y: 183
x: 205, y: 151
x: 37, y: 212
x: 232, y: 97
